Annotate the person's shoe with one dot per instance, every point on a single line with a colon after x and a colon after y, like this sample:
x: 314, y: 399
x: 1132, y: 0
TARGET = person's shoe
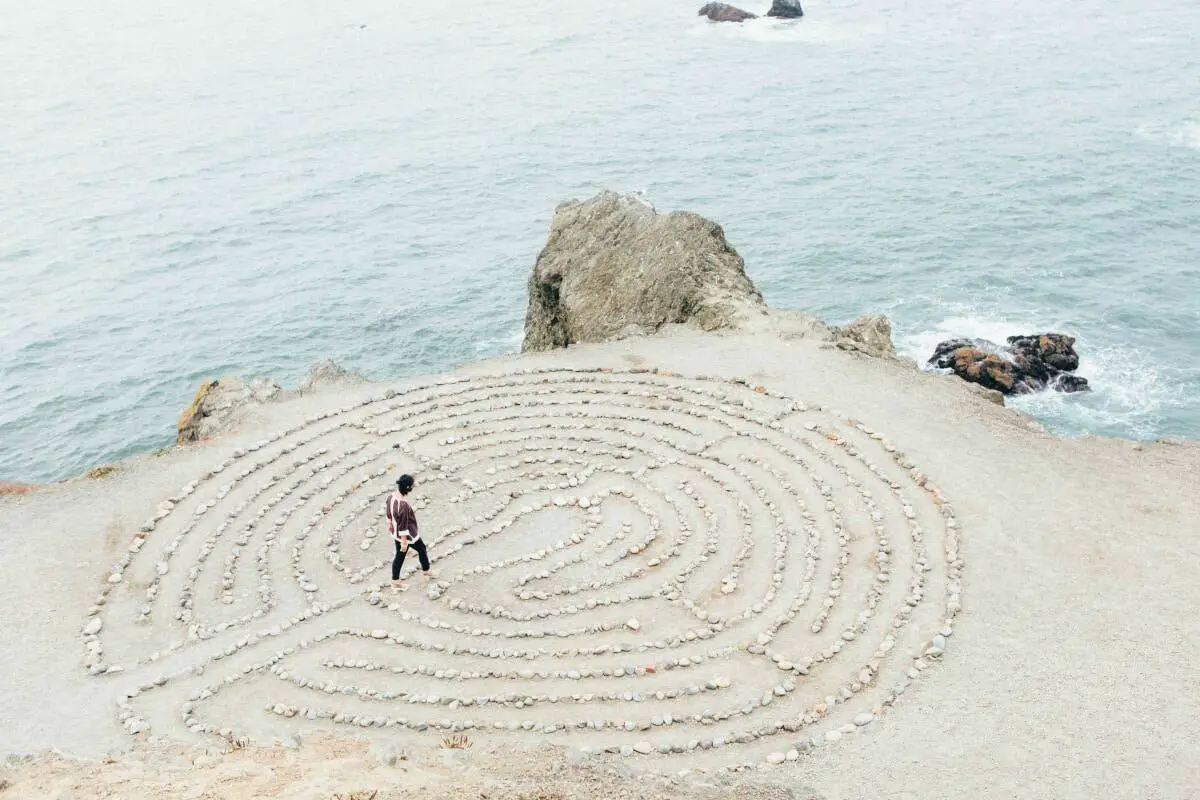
x: 398, y: 587
x: 429, y: 573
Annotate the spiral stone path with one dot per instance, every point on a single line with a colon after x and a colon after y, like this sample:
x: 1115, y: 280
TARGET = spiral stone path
x: 677, y: 570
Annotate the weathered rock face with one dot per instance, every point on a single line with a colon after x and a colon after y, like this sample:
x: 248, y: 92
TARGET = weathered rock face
x: 869, y: 334
x: 722, y: 12
x: 1026, y: 364
x: 329, y: 373
x: 613, y: 267
x: 786, y: 9
x: 219, y: 405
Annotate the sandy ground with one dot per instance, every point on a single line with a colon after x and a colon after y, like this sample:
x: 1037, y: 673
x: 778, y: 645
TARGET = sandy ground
x: 1072, y: 671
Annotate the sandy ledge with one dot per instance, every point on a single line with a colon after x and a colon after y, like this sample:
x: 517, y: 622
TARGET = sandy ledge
x: 1072, y: 671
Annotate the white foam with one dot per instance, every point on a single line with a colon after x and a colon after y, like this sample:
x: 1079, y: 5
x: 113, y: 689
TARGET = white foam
x: 1183, y: 134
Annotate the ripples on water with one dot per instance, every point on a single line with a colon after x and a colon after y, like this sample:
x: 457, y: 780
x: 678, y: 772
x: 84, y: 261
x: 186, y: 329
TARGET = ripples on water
x: 195, y: 191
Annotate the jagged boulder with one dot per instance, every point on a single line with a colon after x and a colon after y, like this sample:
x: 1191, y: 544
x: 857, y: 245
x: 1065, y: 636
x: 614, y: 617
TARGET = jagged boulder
x: 723, y: 12
x: 614, y: 267
x: 219, y: 405
x: 870, y: 334
x: 1026, y: 364
x: 329, y: 373
x: 786, y: 9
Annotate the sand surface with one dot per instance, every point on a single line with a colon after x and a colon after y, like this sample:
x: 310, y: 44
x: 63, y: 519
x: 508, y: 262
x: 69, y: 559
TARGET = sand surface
x: 947, y: 600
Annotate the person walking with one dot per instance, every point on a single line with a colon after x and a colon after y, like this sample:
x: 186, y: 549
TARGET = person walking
x: 402, y: 524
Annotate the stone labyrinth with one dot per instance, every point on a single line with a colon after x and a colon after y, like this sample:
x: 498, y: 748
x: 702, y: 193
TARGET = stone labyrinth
x: 690, y: 570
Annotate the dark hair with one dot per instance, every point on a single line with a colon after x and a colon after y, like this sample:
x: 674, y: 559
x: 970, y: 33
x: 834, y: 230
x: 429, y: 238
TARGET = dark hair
x: 405, y: 484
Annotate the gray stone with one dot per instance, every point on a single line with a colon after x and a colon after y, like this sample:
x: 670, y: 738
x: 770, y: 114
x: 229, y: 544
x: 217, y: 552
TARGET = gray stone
x: 869, y: 334
x: 613, y: 267
x: 328, y: 373
x: 786, y: 9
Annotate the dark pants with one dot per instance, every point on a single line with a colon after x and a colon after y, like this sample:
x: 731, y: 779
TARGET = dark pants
x: 422, y: 554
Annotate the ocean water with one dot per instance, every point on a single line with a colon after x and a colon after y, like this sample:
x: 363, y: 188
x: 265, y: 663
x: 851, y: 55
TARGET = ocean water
x: 192, y: 190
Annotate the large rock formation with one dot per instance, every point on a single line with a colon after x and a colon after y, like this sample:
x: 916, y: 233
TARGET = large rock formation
x: 613, y: 267
x: 870, y: 334
x: 1026, y: 364
x: 722, y: 12
x: 786, y: 9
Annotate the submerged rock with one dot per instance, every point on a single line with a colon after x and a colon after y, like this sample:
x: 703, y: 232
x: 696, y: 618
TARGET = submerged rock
x: 870, y: 334
x: 614, y: 267
x: 723, y: 12
x: 786, y: 9
x: 1026, y: 364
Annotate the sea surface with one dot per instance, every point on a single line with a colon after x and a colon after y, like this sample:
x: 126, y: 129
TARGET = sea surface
x: 194, y: 190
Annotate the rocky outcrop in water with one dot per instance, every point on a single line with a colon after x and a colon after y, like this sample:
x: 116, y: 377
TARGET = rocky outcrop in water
x: 722, y: 12
x: 786, y: 9
x: 870, y: 334
x: 1026, y: 364
x: 614, y: 267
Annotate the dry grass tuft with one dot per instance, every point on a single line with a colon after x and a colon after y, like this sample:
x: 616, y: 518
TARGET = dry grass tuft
x: 459, y: 741
x: 103, y: 471
x: 240, y: 743
x: 360, y: 794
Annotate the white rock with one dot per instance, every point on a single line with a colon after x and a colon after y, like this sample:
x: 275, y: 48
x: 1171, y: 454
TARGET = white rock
x: 633, y: 624
x: 379, y: 634
x: 864, y: 719
x: 93, y: 627
x: 776, y: 758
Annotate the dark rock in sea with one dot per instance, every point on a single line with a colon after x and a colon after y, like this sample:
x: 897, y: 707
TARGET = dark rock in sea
x: 722, y: 12
x: 1026, y: 364
x: 786, y: 9
x: 1055, y: 349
